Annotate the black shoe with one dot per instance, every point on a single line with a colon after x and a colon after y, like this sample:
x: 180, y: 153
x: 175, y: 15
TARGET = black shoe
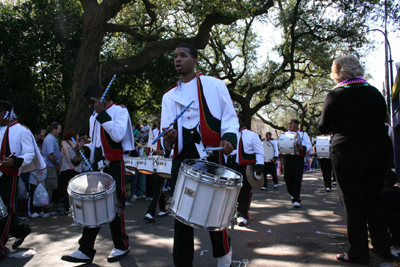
x: 18, y: 241
x: 117, y: 258
x: 75, y: 260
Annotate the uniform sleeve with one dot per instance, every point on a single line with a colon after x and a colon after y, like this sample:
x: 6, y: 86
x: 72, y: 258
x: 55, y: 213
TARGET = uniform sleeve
x: 307, y: 142
x: 27, y: 150
x: 166, y: 119
x: 275, y: 144
x: 115, y: 128
x: 258, y: 150
x: 229, y: 120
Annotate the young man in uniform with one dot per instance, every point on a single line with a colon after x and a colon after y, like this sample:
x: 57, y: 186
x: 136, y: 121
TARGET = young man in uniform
x: 270, y: 167
x: 110, y: 134
x: 18, y: 149
x: 211, y: 120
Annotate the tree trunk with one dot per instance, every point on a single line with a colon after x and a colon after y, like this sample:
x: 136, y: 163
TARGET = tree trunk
x: 86, y: 73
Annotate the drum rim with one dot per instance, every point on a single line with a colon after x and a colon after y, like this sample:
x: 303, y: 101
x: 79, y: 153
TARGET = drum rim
x: 209, y: 178
x: 106, y: 192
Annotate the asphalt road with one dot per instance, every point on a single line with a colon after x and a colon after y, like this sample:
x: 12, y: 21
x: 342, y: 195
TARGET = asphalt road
x: 276, y: 235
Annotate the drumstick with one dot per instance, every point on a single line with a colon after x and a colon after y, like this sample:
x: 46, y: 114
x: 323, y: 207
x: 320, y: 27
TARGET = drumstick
x: 211, y: 149
x: 83, y: 156
x: 106, y: 91
x: 169, y: 126
x: 12, y: 154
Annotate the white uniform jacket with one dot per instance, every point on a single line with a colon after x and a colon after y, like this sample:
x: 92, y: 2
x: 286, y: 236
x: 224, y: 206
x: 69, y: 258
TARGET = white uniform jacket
x: 251, y: 145
x: 305, y: 141
x: 23, y: 144
x: 116, y: 121
x: 218, y: 102
x: 274, y: 143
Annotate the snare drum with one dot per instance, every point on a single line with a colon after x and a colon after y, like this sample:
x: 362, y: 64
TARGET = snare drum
x: 131, y: 163
x: 164, y: 166
x: 205, y: 195
x: 269, y: 151
x: 92, y: 198
x: 323, y: 146
x: 287, y: 143
x: 3, y: 209
x: 146, y: 165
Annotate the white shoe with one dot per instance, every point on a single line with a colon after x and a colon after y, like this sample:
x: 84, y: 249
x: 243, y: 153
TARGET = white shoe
x: 148, y: 217
x: 226, y: 260
x: 79, y: 255
x: 334, y: 183
x: 275, y: 186
x: 46, y: 215
x: 296, y: 204
x: 133, y: 198
x: 327, y: 189
x: 162, y: 213
x: 263, y: 188
x: 149, y: 198
x: 241, y: 221
x: 34, y: 215
x: 117, y: 254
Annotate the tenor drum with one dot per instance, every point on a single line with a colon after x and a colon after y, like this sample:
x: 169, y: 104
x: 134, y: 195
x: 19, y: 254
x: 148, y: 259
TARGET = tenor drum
x: 164, y: 166
x: 92, y: 198
x: 205, y: 195
x: 131, y: 163
x: 287, y: 143
x: 269, y: 151
x: 146, y: 165
x: 323, y: 146
x: 3, y: 209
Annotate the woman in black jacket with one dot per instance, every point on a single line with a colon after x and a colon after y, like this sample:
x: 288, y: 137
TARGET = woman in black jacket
x: 355, y: 112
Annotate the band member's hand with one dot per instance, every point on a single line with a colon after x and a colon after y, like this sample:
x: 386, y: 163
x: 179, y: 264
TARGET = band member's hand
x: 300, y: 148
x: 98, y: 105
x: 8, y: 162
x: 228, y: 148
x: 258, y: 172
x: 146, y: 150
x: 160, y: 152
x: 170, y: 135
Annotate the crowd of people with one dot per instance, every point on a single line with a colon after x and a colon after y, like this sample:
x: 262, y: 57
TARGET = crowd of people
x: 211, y: 121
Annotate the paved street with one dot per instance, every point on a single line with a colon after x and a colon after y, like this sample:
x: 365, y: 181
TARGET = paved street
x: 276, y: 235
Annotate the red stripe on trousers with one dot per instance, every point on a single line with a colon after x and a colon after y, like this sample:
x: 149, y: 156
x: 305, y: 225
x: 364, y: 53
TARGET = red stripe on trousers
x: 121, y: 199
x: 251, y: 196
x: 226, y: 241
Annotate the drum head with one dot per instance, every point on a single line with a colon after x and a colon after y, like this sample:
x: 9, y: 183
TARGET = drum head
x: 91, y: 183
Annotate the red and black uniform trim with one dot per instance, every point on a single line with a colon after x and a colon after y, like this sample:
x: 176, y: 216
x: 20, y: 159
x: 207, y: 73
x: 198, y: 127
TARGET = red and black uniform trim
x: 6, y: 152
x: 245, y: 159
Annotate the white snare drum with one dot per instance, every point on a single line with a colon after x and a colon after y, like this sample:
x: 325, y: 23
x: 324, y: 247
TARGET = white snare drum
x: 131, y: 163
x: 205, y: 195
x: 164, y: 166
x: 287, y: 143
x: 323, y: 146
x: 3, y: 209
x: 269, y: 151
x: 92, y: 198
x: 146, y: 165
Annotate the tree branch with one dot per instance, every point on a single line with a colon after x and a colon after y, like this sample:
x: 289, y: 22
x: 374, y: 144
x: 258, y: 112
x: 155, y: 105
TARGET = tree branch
x: 270, y: 123
x: 110, y: 27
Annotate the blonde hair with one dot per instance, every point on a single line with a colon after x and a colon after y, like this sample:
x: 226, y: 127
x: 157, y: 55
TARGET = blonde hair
x: 346, y: 67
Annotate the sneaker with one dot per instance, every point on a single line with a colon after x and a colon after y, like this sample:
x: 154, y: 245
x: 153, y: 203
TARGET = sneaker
x: 334, y: 183
x: 149, y: 198
x: 263, y: 188
x: 133, y: 198
x: 275, y: 186
x: 148, y: 217
x: 117, y: 254
x: 34, y: 215
x: 163, y: 213
x: 52, y: 213
x: 296, y: 204
x: 41, y: 214
x: 225, y: 261
x: 327, y: 189
x: 46, y: 215
x: 241, y: 221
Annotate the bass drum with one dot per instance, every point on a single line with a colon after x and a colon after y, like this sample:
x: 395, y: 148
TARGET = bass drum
x: 269, y: 151
x: 323, y: 146
x: 287, y: 143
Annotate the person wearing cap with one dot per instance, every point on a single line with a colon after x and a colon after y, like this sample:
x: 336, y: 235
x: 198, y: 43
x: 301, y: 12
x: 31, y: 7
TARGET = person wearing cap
x: 248, y: 159
x: 294, y: 164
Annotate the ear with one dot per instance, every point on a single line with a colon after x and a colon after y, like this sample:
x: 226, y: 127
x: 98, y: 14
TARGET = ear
x: 195, y: 61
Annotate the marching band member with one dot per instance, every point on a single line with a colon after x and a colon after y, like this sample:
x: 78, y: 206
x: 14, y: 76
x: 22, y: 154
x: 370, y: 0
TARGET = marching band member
x: 210, y: 120
x: 18, y: 149
x: 250, y: 152
x: 270, y: 167
x: 111, y: 134
x: 294, y: 164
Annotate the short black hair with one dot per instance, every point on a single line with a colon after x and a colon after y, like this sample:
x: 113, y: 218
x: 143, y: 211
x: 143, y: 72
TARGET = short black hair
x: 52, y: 126
x: 241, y: 118
x: 268, y: 133
x: 295, y: 121
x: 4, y: 105
x: 93, y: 90
x: 192, y: 49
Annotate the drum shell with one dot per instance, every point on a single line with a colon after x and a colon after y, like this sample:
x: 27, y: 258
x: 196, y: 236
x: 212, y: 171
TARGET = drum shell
x: 93, y: 209
x: 131, y: 163
x: 286, y: 143
x: 323, y: 147
x: 164, y: 166
x: 146, y: 165
x: 3, y: 209
x: 202, y: 203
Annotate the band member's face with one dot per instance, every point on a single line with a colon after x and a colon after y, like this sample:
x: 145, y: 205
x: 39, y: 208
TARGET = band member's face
x: 292, y: 126
x: 90, y: 102
x: 184, y: 62
x: 268, y: 136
